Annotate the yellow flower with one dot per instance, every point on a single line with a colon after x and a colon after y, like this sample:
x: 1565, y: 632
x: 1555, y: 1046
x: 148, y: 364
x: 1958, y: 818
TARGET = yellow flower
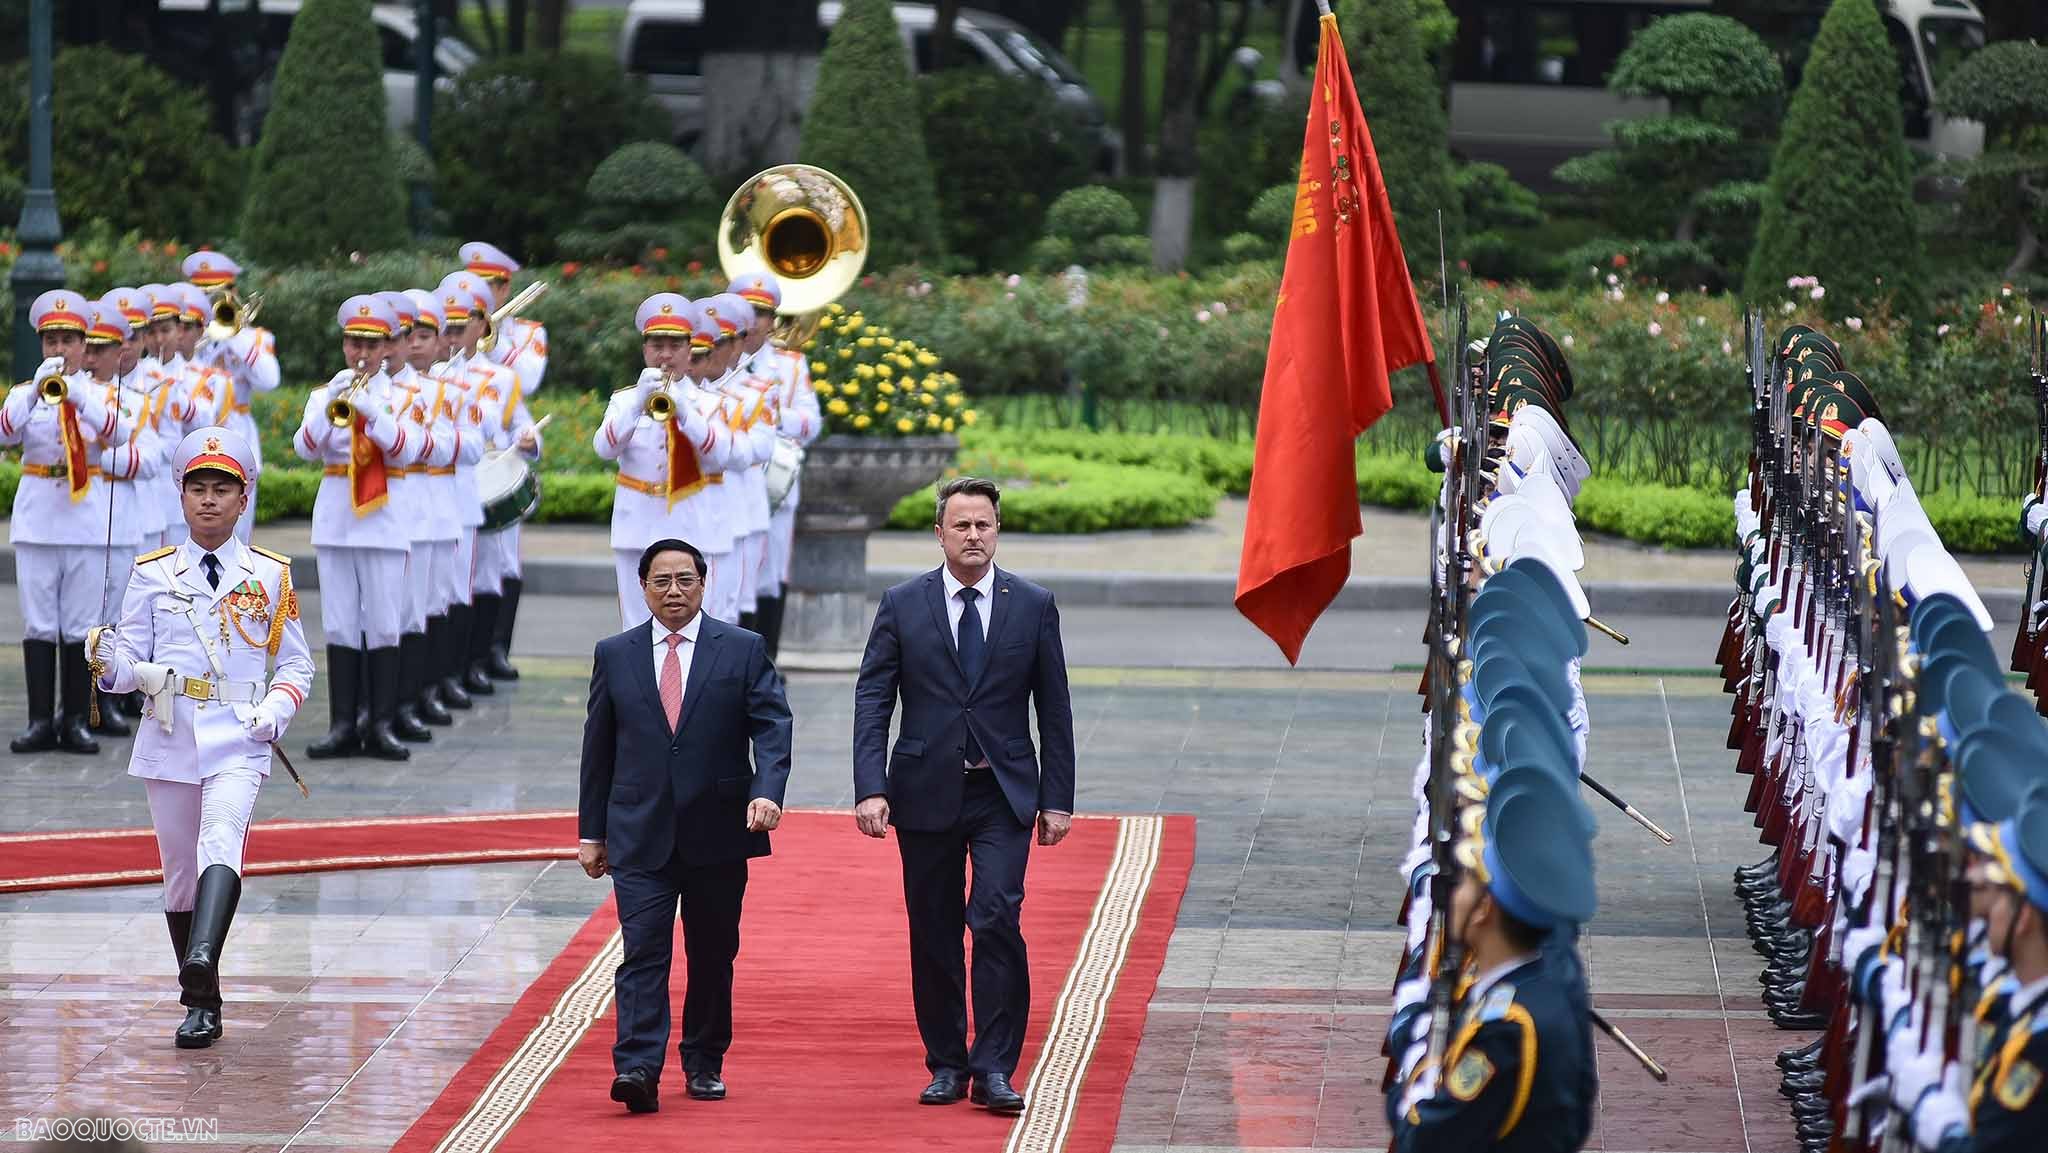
x: 852, y: 323
x: 904, y: 425
x: 824, y: 323
x: 845, y: 353
x: 837, y: 408
x: 947, y: 424
x: 850, y: 388
x: 967, y: 417
x: 882, y: 370
x: 885, y: 388
x: 932, y: 420
x: 835, y: 308
x: 817, y: 368
x: 864, y: 371
x: 885, y: 342
x: 954, y: 400
x: 866, y: 342
x: 926, y: 359
x: 822, y: 387
x: 862, y: 421
x: 810, y: 344
x: 881, y: 407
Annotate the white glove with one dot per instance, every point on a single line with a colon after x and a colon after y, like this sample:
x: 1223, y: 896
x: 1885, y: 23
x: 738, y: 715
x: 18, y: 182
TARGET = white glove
x: 1914, y: 1070
x: 1891, y: 988
x: 1943, y: 1110
x: 51, y: 366
x: 2036, y: 515
x: 1859, y: 940
x: 263, y: 725
x: 1411, y: 992
x: 1422, y: 1088
x: 1410, y: 1059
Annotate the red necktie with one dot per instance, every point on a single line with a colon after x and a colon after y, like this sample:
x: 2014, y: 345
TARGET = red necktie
x: 672, y: 682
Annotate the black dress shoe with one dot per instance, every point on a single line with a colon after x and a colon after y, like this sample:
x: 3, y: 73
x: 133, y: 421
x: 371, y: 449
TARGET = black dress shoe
x: 707, y: 1087
x: 993, y: 1090
x: 200, y: 1030
x: 636, y: 1090
x: 947, y: 1087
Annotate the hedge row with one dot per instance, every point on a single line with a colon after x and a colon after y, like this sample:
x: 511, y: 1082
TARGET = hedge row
x: 1052, y: 493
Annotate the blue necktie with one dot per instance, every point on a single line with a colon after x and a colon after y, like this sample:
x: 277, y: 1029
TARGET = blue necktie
x: 972, y: 646
x: 211, y: 564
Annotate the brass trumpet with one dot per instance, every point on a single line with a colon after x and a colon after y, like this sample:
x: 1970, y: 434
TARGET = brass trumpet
x: 231, y: 314
x: 661, y: 407
x: 52, y: 389
x: 341, y: 411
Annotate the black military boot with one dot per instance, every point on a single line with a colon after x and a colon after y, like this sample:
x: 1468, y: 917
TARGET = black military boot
x: 220, y: 890
x: 73, y: 735
x: 405, y: 717
x: 379, y: 740
x: 498, y: 663
x: 483, y: 632
x: 768, y: 611
x: 344, y: 686
x: 195, y: 1024
x: 39, y: 659
x: 428, y: 702
x: 452, y: 655
x: 112, y: 722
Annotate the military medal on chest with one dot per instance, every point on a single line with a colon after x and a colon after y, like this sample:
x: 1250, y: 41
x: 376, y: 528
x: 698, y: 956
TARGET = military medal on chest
x: 247, y: 602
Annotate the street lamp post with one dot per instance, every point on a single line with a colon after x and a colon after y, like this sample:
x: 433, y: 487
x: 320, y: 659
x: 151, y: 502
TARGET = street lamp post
x: 37, y: 268
x: 423, y: 113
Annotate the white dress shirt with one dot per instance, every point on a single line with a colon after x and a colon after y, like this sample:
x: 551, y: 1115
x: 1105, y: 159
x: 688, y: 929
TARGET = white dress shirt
x: 986, y: 586
x: 684, y: 653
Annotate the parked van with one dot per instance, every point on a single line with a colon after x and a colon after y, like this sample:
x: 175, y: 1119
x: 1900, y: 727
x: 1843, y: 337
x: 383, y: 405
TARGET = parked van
x: 187, y: 22
x: 662, y: 41
x: 1528, y: 77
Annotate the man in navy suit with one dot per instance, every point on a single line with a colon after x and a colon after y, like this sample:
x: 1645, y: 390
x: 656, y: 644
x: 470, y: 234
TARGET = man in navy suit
x: 672, y: 808
x: 969, y: 649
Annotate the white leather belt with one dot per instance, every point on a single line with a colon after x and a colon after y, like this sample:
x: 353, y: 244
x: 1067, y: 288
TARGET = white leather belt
x: 231, y: 692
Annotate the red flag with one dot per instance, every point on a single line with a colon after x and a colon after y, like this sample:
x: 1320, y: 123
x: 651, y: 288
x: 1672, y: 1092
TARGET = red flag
x: 1345, y: 319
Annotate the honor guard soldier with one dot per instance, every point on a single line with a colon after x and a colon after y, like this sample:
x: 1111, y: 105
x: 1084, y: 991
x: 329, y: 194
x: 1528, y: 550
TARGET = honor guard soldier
x: 507, y: 427
x: 245, y: 353
x: 1514, y: 1075
x: 360, y: 543
x: 210, y: 633
x: 665, y: 434
x: 437, y: 535
x: 801, y: 422
x: 523, y: 348
x: 59, y: 524
x: 751, y: 416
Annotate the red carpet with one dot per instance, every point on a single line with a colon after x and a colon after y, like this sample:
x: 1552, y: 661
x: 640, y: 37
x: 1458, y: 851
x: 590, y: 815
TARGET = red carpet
x: 826, y: 1054
x: 80, y: 858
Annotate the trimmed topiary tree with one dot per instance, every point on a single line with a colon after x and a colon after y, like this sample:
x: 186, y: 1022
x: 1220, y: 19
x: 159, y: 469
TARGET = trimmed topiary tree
x: 646, y: 195
x: 1840, y: 201
x: 1007, y: 149
x: 2006, y: 87
x: 865, y: 127
x: 1402, y: 96
x: 1690, y: 177
x: 324, y: 181
x: 1092, y: 225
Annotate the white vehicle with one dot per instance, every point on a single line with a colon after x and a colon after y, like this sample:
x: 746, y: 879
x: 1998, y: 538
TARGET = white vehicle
x: 1528, y: 77
x: 397, y: 37
x: 662, y: 41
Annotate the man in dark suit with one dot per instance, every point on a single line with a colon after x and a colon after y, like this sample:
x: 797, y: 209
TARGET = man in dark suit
x: 671, y: 807
x: 968, y: 648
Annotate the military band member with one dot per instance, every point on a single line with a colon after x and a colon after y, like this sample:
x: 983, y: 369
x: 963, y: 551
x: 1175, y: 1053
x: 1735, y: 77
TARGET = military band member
x: 416, y: 398
x: 507, y: 426
x: 59, y: 522
x: 801, y: 422
x: 523, y: 348
x: 352, y: 427
x: 722, y: 583
x: 113, y: 360
x: 749, y: 412
x: 666, y: 466
x: 248, y: 357
x: 436, y: 539
x: 210, y: 631
x: 139, y: 375
x: 458, y: 302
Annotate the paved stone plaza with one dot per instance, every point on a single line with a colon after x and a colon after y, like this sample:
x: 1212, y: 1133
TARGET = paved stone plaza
x: 354, y: 996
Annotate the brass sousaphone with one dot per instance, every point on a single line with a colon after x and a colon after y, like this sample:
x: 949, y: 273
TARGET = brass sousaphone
x: 805, y: 226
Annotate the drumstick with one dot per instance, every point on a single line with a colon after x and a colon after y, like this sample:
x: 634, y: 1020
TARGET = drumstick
x: 537, y: 426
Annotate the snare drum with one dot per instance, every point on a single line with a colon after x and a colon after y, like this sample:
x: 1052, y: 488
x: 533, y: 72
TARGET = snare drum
x: 509, y: 489
x: 783, y: 467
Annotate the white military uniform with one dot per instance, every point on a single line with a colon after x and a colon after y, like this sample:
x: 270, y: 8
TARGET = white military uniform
x: 60, y: 542
x: 249, y: 358
x: 750, y: 413
x: 645, y: 508
x: 224, y: 651
x: 414, y: 490
x: 504, y: 416
x: 361, y: 553
x: 801, y: 421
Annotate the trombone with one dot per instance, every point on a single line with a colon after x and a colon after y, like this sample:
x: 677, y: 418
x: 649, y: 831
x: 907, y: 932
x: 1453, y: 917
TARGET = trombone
x: 341, y: 411
x: 506, y: 311
x: 661, y: 407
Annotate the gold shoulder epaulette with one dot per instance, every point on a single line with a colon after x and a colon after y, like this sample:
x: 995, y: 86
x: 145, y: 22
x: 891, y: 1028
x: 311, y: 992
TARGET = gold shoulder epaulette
x: 159, y: 554
x: 276, y: 556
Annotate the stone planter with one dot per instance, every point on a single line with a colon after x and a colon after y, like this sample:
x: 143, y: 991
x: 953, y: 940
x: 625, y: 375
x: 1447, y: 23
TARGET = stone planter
x: 850, y: 483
